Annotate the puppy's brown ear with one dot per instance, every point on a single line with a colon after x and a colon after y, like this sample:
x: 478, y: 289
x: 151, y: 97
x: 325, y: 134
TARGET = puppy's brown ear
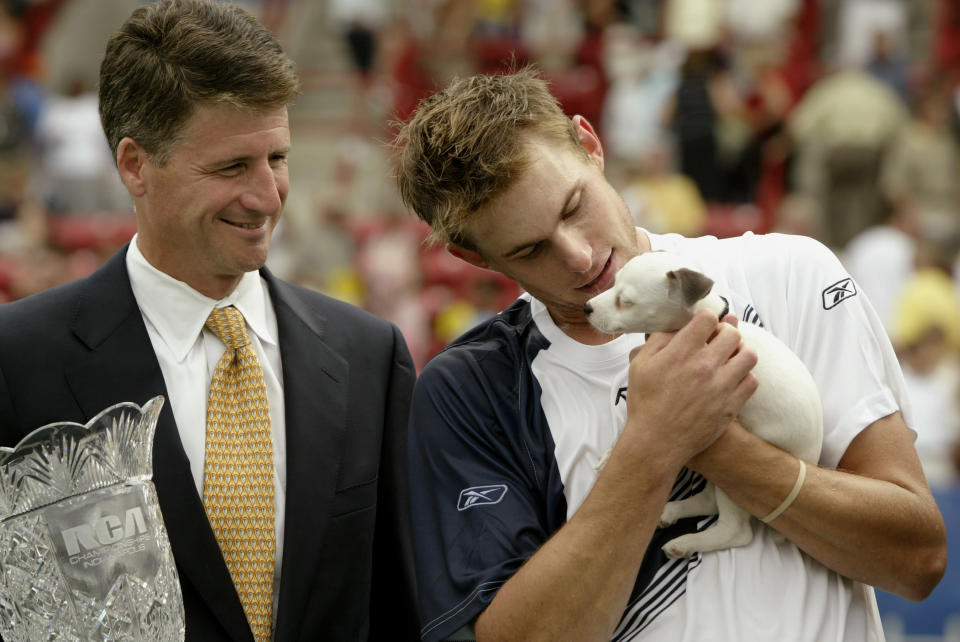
x: 689, y: 284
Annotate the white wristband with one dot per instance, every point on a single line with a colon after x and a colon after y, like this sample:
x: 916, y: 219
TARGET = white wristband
x: 792, y: 496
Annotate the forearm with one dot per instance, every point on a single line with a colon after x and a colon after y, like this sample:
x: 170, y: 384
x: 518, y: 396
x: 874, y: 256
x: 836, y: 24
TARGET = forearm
x: 876, y: 525
x: 577, y: 585
x: 869, y: 530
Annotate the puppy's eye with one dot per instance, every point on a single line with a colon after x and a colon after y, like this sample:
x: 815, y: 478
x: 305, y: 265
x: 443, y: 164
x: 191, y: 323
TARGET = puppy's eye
x: 622, y: 303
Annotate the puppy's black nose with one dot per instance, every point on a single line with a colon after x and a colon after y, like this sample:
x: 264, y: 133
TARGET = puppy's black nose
x: 587, y: 309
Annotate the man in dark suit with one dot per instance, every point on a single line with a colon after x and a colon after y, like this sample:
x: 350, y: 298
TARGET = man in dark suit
x: 193, y: 99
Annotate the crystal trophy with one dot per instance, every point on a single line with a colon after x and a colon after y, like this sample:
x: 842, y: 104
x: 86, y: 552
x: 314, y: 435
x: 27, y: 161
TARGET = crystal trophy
x: 84, y: 554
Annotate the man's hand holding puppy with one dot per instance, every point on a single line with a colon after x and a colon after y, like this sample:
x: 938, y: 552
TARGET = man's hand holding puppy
x: 686, y: 387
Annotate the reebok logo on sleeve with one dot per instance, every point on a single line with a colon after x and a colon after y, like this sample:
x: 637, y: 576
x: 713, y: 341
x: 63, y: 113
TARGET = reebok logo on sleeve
x: 481, y: 496
x: 839, y: 292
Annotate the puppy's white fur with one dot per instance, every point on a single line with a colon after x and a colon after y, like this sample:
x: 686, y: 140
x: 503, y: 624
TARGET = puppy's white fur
x: 655, y: 292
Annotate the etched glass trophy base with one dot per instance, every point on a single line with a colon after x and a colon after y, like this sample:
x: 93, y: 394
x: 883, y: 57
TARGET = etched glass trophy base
x: 89, y: 568
x: 84, y: 553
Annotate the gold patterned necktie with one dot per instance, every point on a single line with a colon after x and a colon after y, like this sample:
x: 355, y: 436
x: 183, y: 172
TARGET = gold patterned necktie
x: 238, y: 470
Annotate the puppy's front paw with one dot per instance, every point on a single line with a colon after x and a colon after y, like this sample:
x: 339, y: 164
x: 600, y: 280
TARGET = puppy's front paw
x: 670, y: 515
x: 678, y: 548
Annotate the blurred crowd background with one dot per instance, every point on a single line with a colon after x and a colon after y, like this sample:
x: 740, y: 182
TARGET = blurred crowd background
x: 836, y: 119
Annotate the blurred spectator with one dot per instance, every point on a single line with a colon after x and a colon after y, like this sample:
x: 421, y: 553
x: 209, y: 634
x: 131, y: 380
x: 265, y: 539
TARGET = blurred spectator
x: 316, y: 250
x: 495, y: 39
x: 408, y: 76
x: 660, y: 198
x: 773, y: 71
x: 497, y: 19
x: 798, y: 214
x: 840, y: 129
x: 461, y: 314
x: 753, y: 146
x: 359, y: 23
x: 14, y: 175
x: 647, y: 15
x: 78, y: 170
x: 551, y: 31
x: 704, y: 98
x: 927, y: 336
x: 15, y: 128
x: 694, y: 24
x: 758, y: 21
x: 922, y: 168
x: 859, y: 23
x: 388, y: 262
x: 19, y: 71
x: 882, y: 258
x: 598, y: 17
x: 928, y: 299
x: 449, y: 52
x: 643, y: 77
x: 889, y: 64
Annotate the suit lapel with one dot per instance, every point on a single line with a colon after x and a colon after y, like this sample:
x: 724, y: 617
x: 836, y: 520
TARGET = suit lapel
x: 121, y: 366
x: 315, y: 381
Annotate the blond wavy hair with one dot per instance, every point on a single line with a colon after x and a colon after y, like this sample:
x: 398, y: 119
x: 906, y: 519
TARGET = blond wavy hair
x: 467, y: 144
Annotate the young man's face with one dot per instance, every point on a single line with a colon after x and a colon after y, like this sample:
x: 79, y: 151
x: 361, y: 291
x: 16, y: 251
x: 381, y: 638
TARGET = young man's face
x: 561, y: 231
x: 206, y: 217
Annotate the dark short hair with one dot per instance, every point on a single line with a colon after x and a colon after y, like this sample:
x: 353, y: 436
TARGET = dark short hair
x: 172, y: 55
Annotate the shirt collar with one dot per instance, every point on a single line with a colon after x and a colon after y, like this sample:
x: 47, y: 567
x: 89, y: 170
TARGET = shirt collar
x: 178, y: 312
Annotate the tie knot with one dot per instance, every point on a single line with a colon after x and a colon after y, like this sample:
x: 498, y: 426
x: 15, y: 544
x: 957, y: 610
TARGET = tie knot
x: 228, y: 324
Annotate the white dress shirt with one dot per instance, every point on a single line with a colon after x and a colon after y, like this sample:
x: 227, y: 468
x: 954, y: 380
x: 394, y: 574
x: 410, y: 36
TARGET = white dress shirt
x: 174, y: 314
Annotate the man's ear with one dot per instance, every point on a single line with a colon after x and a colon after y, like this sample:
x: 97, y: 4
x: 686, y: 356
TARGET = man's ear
x: 131, y: 163
x: 470, y: 256
x: 589, y: 139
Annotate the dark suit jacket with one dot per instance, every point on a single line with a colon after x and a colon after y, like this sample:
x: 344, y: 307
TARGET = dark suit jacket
x: 70, y: 352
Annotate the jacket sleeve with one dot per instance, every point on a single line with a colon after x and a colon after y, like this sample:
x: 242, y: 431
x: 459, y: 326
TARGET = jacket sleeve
x: 393, y: 609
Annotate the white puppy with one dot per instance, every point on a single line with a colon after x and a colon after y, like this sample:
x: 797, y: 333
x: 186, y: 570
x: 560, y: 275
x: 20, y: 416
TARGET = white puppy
x: 654, y: 292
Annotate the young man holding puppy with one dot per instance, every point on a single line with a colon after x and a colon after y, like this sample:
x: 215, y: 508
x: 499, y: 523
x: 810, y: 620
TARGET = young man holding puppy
x: 518, y: 536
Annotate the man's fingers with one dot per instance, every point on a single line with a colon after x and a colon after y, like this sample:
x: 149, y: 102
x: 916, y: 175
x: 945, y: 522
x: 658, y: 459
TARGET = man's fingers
x: 688, y: 339
x: 725, y: 342
x: 744, y: 390
x: 654, y: 343
x: 744, y: 357
x: 701, y: 327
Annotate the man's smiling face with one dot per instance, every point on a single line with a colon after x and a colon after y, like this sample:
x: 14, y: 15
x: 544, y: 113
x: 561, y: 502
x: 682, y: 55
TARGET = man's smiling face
x: 206, y: 216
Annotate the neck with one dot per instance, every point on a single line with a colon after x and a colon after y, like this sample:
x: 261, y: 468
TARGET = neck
x: 211, y: 286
